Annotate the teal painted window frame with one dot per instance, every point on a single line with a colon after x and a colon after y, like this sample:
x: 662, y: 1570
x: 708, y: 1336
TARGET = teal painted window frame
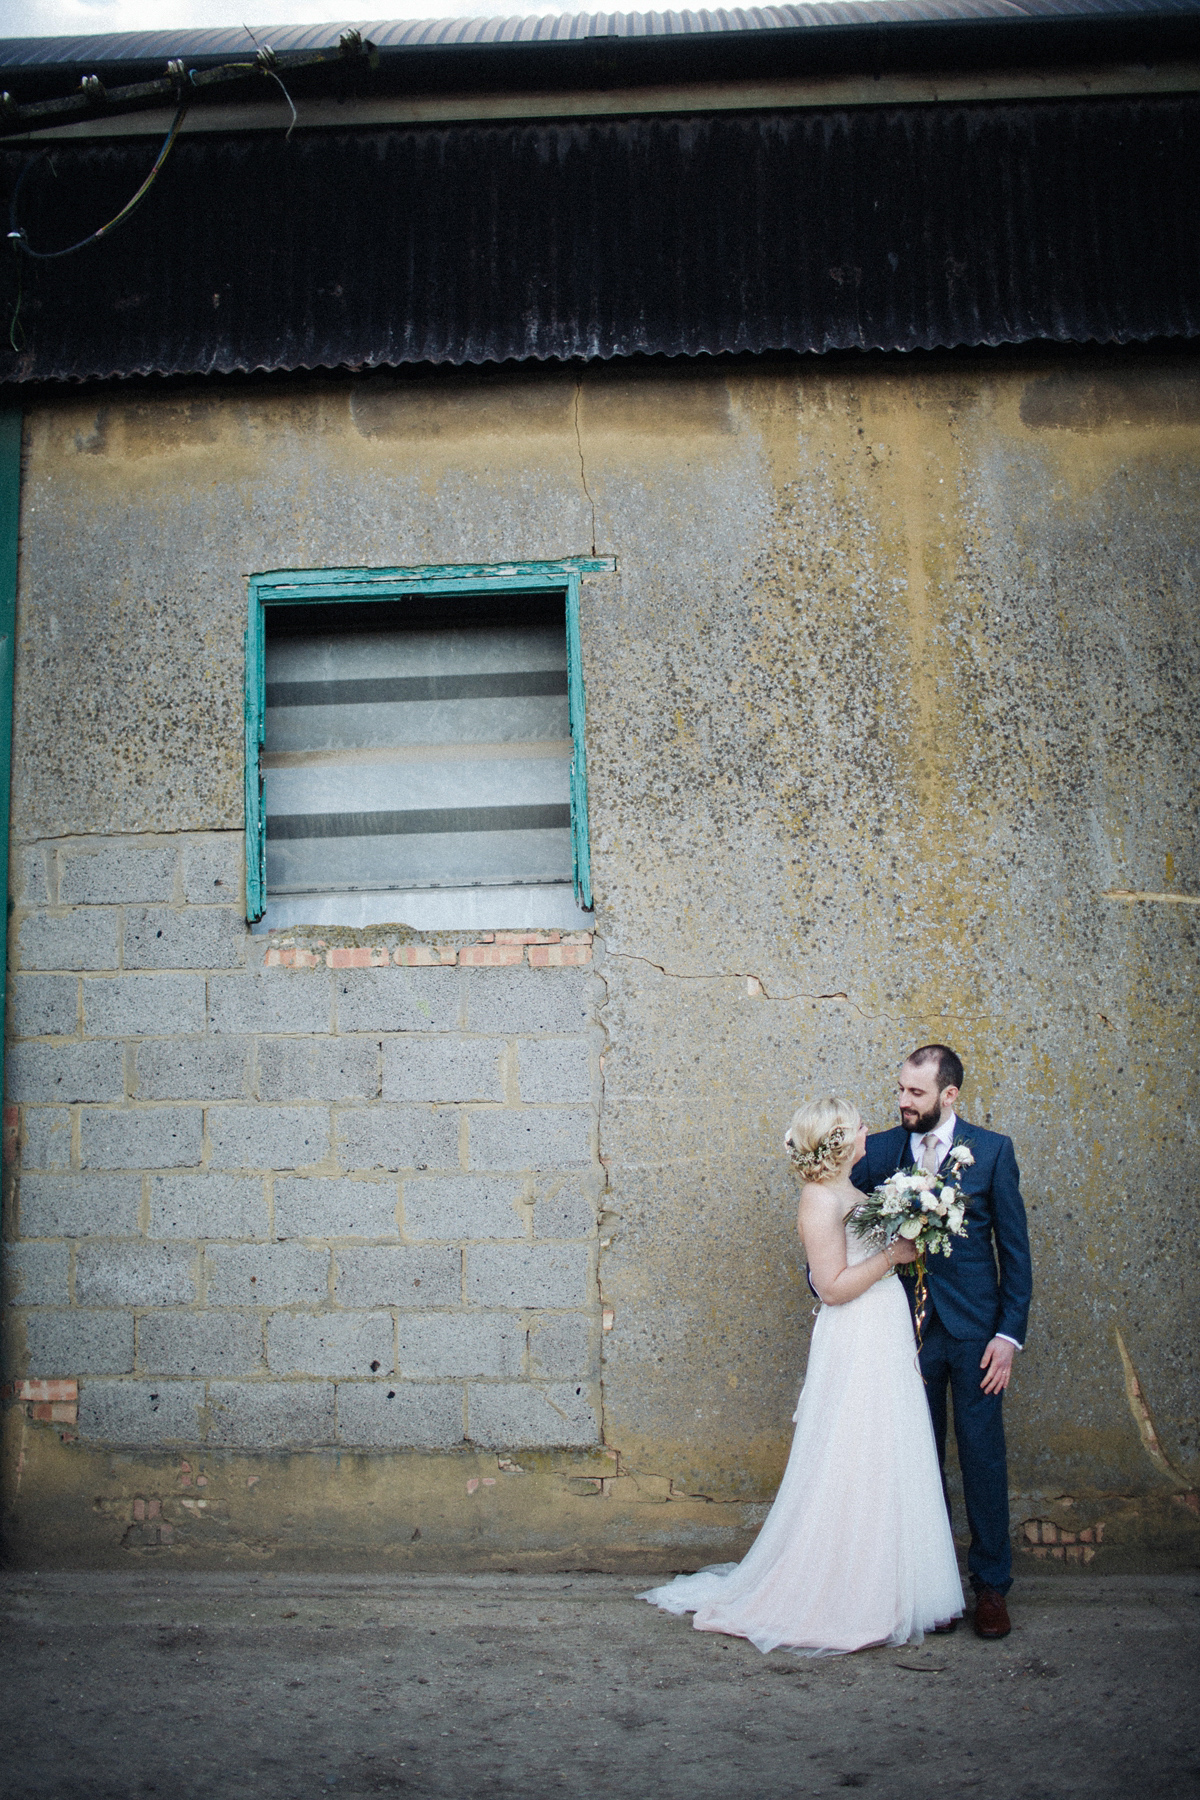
x: 295, y: 587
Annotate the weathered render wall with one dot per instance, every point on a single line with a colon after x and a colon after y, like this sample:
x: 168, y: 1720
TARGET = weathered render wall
x: 890, y: 713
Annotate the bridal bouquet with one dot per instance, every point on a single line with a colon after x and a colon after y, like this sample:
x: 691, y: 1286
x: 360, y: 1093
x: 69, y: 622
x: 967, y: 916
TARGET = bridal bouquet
x: 926, y: 1209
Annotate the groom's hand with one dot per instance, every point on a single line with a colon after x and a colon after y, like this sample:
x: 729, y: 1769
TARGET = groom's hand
x: 997, y: 1365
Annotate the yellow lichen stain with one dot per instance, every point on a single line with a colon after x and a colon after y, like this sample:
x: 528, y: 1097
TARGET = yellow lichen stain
x: 404, y: 1510
x: 679, y: 410
x: 1095, y: 426
x: 418, y: 412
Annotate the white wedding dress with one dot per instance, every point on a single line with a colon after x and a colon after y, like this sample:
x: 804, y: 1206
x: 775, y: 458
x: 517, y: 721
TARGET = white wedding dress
x: 856, y: 1549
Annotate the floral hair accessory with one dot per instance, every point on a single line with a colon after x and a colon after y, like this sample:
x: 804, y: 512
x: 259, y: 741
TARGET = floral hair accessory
x: 821, y: 1159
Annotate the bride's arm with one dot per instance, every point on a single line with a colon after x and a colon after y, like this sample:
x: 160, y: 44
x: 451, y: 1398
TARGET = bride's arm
x: 824, y: 1235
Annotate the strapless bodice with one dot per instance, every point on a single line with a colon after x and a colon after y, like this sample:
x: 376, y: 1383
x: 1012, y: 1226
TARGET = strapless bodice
x: 859, y: 1248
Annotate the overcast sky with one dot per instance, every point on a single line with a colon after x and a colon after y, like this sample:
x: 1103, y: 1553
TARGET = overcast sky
x: 67, y: 18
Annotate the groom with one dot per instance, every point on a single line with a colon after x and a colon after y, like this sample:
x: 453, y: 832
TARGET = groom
x: 976, y: 1316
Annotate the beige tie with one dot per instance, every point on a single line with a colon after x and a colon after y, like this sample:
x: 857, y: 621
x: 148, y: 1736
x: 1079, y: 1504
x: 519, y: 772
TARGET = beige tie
x: 931, y: 1155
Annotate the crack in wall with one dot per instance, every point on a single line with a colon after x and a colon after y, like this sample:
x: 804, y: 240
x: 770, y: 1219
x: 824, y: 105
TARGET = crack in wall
x: 582, y: 470
x: 1143, y: 1420
x: 755, y: 986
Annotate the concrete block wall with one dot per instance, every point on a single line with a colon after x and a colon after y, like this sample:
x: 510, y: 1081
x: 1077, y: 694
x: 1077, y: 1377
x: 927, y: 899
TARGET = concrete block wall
x: 291, y: 1193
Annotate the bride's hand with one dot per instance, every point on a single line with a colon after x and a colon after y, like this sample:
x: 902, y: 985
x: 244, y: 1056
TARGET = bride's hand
x: 902, y: 1251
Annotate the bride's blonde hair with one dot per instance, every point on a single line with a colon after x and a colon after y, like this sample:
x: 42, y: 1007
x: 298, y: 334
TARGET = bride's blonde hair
x: 820, y: 1139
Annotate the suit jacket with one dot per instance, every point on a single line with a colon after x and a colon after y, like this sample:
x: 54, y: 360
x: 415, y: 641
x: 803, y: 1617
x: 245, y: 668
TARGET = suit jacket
x: 972, y: 1296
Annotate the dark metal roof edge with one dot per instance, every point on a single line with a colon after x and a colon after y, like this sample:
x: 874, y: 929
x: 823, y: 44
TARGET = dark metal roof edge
x: 1120, y: 342
x: 402, y: 38
x: 1042, y: 350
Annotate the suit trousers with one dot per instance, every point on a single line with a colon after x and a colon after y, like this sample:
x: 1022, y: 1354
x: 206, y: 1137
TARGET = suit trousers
x: 953, y: 1363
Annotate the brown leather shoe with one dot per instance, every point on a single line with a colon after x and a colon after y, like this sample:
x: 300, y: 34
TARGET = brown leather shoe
x: 991, y: 1615
x: 946, y: 1627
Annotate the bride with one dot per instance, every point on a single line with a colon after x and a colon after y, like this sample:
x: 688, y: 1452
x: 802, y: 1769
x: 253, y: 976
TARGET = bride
x: 856, y: 1549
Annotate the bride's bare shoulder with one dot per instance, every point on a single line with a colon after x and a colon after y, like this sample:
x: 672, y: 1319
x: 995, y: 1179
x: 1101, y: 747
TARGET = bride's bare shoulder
x: 818, y: 1192
x: 816, y: 1200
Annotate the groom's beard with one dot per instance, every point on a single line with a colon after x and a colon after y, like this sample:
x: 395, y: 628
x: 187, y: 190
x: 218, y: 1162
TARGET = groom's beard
x: 920, y: 1122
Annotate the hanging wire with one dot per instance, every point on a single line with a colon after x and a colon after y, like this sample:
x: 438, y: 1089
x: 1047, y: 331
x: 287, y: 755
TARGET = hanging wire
x: 17, y: 236
x: 266, y: 62
x: 16, y: 331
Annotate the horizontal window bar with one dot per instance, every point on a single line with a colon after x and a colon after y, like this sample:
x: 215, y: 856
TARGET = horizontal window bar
x: 426, y: 819
x: 416, y: 687
x: 517, y: 750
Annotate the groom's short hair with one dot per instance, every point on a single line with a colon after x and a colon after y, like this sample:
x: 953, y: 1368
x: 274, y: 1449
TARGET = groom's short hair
x: 949, y: 1066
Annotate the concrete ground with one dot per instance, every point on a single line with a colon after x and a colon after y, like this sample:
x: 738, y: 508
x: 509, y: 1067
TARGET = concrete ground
x: 288, y: 1688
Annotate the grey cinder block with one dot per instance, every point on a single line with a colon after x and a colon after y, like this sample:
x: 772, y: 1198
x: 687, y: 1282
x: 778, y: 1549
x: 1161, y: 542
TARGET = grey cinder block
x: 192, y: 1068
x: 380, y: 1275
x: 398, y: 1000
x: 205, y: 1343
x: 44, y: 1005
x: 273, y: 1000
x: 157, y: 1137
x: 141, y: 1412
x: 516, y: 1415
x: 80, y: 1205
x: 568, y: 1213
x: 560, y: 1345
x: 316, y: 1207
x: 330, y: 1343
x: 111, y: 1274
x: 397, y: 1137
x: 86, y: 939
x: 199, y: 937
x: 442, y: 1068
x: 531, y: 1137
x: 207, y: 1206
x: 114, y: 873
x: 461, y: 1344
x: 65, y: 1072
x: 264, y: 1414
x: 463, y: 1206
x: 520, y: 1000
x: 268, y: 1137
x: 400, y: 1415
x: 75, y: 1342
x: 45, y: 1137
x: 554, y: 1275
x: 28, y: 875
x: 143, y: 1006
x: 325, y: 1069
x: 267, y: 1275
x: 212, y: 870
x: 554, y: 1069
x: 36, y: 1274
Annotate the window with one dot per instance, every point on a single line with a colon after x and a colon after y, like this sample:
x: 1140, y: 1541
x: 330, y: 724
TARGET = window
x: 414, y: 748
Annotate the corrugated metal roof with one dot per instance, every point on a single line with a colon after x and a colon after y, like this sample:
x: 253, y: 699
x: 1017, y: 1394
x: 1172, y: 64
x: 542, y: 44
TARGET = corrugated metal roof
x: 202, y: 46
x: 891, y: 228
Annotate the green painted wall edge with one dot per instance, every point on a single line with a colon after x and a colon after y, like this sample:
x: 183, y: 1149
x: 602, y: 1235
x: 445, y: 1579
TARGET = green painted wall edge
x: 11, y: 422
x: 294, y: 587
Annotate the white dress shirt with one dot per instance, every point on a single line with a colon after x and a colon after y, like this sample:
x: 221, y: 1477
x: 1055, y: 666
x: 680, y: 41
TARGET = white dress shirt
x: 943, y: 1131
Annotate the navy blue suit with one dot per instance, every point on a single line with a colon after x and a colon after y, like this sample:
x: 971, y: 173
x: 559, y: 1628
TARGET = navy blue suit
x: 982, y: 1288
